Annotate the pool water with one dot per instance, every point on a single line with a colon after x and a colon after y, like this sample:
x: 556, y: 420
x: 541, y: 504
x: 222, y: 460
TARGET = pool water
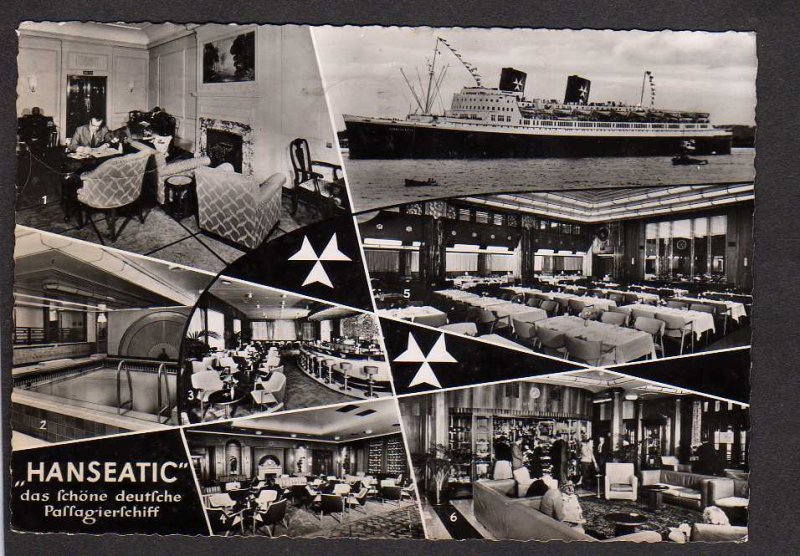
x: 99, y: 387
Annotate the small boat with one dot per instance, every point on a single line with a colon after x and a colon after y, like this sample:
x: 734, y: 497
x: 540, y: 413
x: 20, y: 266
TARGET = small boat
x: 421, y: 183
x: 684, y: 160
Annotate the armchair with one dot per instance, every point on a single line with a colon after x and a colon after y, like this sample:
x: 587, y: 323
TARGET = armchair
x: 269, y: 514
x: 271, y: 392
x: 206, y: 383
x: 309, y: 185
x: 230, y: 516
x: 620, y: 482
x: 114, y: 184
x: 235, y: 207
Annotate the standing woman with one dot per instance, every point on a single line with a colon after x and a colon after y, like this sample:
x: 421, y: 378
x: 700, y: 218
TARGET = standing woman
x: 502, y: 455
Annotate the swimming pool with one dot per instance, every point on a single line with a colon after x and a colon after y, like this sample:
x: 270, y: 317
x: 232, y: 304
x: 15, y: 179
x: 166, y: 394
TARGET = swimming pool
x: 99, y: 387
x: 75, y: 403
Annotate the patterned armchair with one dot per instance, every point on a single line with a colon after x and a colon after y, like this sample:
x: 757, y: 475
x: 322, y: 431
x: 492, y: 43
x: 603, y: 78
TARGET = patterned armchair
x: 114, y: 184
x: 235, y: 207
x: 164, y: 169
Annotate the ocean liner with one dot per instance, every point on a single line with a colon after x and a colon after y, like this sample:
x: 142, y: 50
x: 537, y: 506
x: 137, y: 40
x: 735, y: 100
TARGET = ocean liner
x: 500, y: 122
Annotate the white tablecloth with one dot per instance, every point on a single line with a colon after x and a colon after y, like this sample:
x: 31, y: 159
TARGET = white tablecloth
x: 702, y: 321
x: 524, y: 290
x: 516, y: 311
x: 456, y: 294
x: 735, y: 310
x: 598, y: 302
x: 484, y: 302
x: 500, y: 340
x: 630, y: 344
x: 414, y: 313
x: 465, y: 328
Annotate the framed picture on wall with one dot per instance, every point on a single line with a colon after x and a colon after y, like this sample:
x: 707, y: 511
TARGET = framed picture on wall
x: 230, y: 60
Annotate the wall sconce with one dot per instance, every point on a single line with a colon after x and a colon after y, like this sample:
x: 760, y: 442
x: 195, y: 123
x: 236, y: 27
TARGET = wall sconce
x: 33, y: 83
x: 131, y: 85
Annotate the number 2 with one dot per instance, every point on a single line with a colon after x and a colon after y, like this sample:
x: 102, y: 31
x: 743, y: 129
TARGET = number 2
x: 43, y: 425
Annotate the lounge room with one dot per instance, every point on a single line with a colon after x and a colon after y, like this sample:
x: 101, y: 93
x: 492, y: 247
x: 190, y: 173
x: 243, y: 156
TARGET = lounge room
x: 96, y: 339
x: 190, y: 143
x: 333, y: 472
x: 588, y: 455
x: 251, y: 349
x: 596, y: 276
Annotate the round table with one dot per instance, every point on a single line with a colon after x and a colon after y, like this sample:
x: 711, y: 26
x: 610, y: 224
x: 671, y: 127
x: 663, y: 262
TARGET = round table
x: 179, y: 196
x: 228, y: 398
x: 625, y: 523
x: 654, y: 494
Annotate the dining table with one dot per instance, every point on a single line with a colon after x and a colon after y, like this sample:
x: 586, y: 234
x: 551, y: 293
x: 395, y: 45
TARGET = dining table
x: 597, y: 302
x: 629, y: 344
x: 457, y: 295
x: 516, y: 311
x: 502, y: 341
x: 423, y: 315
x: 702, y: 322
x: 734, y: 309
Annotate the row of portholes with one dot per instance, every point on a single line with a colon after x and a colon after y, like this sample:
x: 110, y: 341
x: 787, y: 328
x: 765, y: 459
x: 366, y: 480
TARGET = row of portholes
x: 452, y: 233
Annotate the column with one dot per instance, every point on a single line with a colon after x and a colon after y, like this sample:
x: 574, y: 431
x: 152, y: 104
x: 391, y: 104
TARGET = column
x: 639, y: 428
x: 483, y: 264
x: 404, y: 267
x: 616, y: 419
x: 527, y: 249
x: 676, y: 429
x: 433, y: 251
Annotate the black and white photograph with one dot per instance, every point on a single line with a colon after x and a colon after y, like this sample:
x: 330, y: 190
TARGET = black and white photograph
x: 338, y: 472
x: 189, y: 143
x: 589, y: 455
x: 96, y: 340
x: 250, y: 349
x: 597, y: 276
x: 425, y: 112
x: 384, y: 282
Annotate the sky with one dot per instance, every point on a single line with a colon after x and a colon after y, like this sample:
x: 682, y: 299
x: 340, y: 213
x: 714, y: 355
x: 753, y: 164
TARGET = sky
x: 693, y: 71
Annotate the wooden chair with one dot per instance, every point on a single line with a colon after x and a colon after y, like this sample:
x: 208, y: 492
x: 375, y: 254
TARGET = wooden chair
x: 309, y: 185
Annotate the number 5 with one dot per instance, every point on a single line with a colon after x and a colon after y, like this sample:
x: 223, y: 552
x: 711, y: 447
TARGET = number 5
x: 407, y: 293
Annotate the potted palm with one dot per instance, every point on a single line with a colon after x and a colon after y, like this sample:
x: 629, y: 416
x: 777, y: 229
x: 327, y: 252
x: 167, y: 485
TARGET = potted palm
x: 195, y: 344
x: 438, y: 465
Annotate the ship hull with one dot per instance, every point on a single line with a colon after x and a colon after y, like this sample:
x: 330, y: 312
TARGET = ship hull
x: 374, y: 139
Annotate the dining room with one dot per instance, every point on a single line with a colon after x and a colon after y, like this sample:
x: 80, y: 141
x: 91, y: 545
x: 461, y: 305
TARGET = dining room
x: 335, y: 472
x: 186, y: 142
x: 601, y: 277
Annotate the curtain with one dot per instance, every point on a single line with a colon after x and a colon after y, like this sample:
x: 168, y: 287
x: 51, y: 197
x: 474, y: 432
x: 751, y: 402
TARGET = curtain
x: 503, y: 263
x: 263, y: 330
x: 382, y: 261
x: 216, y: 323
x: 586, y: 269
x: 284, y: 330
x: 325, y: 330
x: 462, y: 262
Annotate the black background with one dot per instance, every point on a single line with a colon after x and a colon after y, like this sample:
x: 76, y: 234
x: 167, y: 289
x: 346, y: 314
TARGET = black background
x: 775, y: 387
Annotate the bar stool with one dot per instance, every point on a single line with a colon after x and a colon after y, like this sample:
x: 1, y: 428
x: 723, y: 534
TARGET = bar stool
x: 317, y: 365
x: 371, y: 371
x: 328, y: 368
x: 345, y: 367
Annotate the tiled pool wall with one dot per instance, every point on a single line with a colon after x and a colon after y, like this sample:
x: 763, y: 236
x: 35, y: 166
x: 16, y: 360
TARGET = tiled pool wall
x: 28, y: 355
x: 56, y: 427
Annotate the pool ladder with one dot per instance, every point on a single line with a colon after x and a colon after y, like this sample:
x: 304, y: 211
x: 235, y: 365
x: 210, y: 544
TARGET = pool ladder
x: 163, y: 408
x: 127, y: 405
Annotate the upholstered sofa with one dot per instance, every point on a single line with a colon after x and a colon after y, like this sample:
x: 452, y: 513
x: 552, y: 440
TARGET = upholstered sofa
x: 507, y: 517
x: 702, y: 532
x: 690, y: 490
x: 237, y: 207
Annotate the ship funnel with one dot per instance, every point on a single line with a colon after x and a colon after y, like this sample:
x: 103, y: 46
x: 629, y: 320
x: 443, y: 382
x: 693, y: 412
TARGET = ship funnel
x: 577, y: 90
x: 512, y: 80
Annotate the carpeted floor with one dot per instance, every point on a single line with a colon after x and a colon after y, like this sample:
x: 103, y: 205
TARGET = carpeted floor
x: 160, y: 236
x: 381, y: 521
x: 594, y: 512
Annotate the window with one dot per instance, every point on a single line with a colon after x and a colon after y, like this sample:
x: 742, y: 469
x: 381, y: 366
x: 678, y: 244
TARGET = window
x: 482, y: 217
x: 688, y: 249
x: 464, y: 214
x: 498, y: 219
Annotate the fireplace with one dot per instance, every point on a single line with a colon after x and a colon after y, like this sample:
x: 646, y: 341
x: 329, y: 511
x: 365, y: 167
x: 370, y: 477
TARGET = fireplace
x: 224, y: 146
x: 269, y: 466
x: 227, y: 141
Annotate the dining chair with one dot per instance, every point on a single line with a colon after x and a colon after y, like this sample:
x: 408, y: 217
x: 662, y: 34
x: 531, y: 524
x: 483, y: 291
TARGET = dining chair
x: 489, y: 322
x: 550, y: 341
x: 654, y: 327
x: 525, y: 331
x: 550, y: 307
x: 717, y: 311
x: 575, y: 306
x: 310, y: 186
x: 587, y: 351
x: 672, y: 304
x: 358, y: 501
x: 636, y: 313
x: 617, y: 298
x: 677, y: 328
x: 612, y: 317
x: 533, y: 302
